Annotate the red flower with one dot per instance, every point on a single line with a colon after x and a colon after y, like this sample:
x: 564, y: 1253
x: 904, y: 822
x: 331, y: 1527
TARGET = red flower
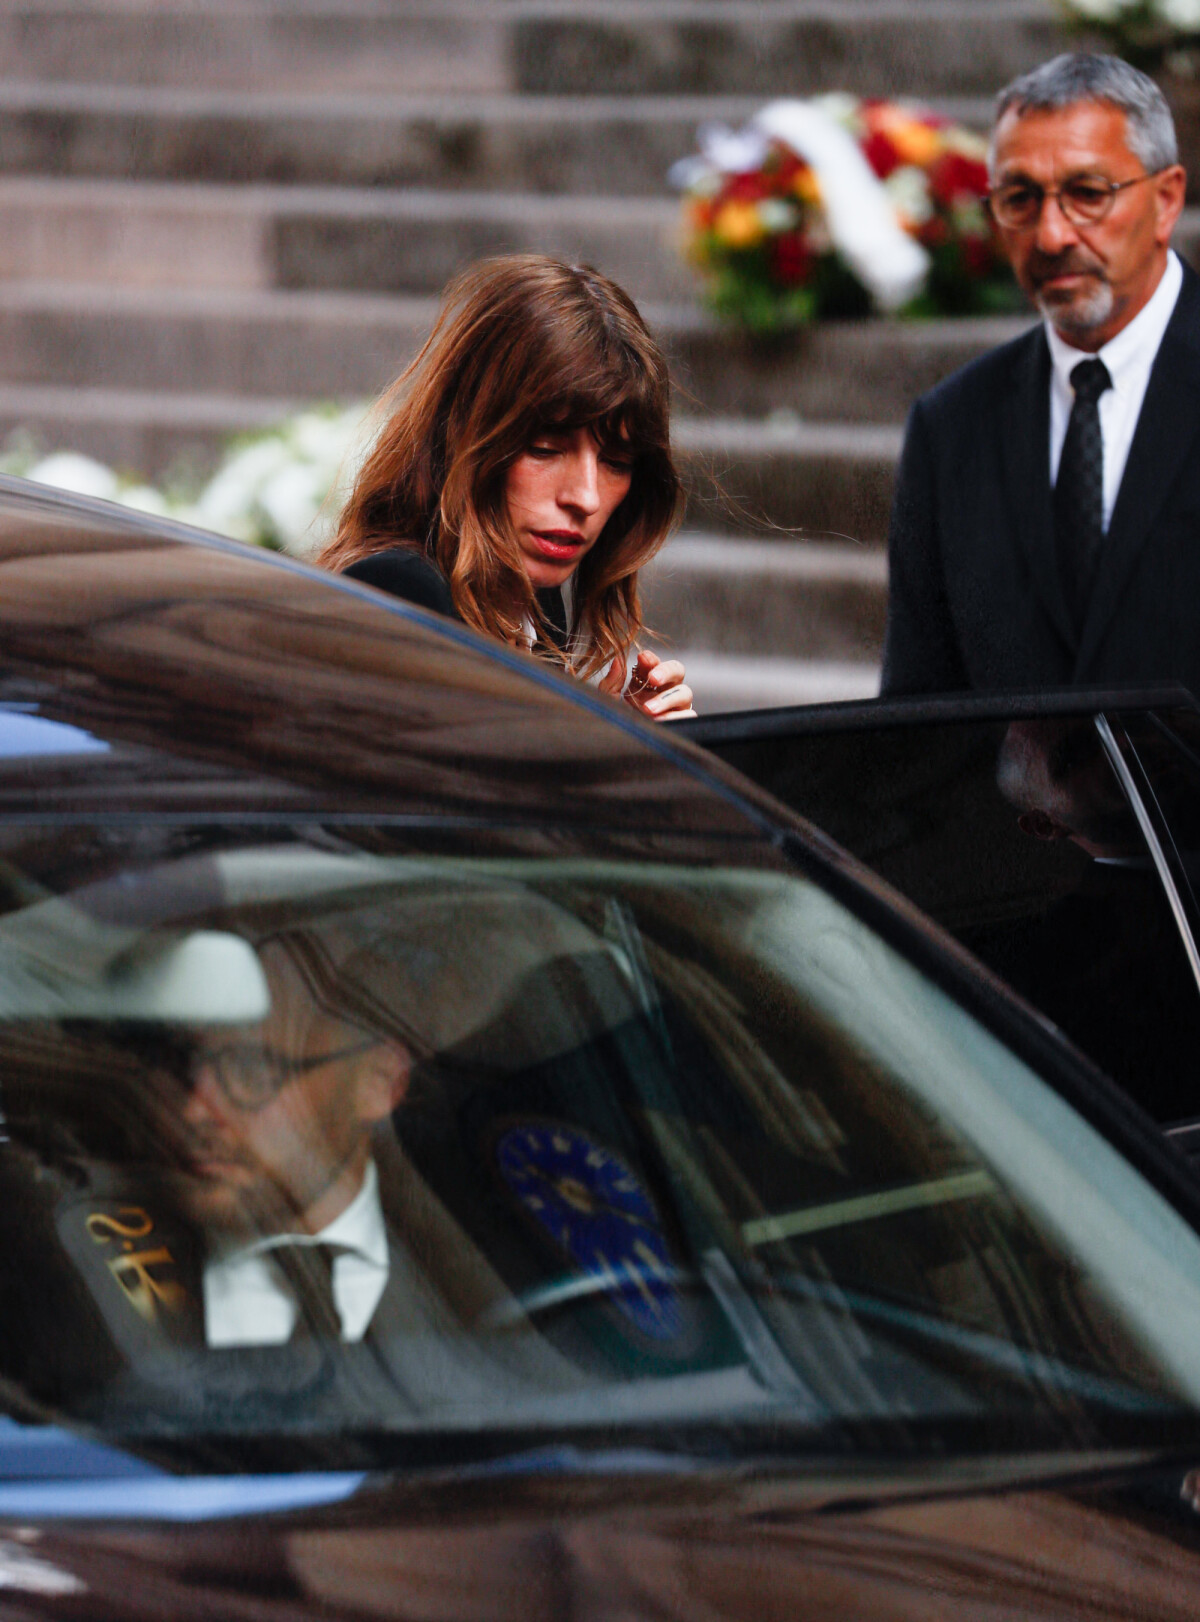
x: 934, y: 232
x: 881, y: 154
x: 782, y: 168
x: 791, y: 259
x: 700, y: 213
x: 750, y: 187
x: 977, y: 255
x: 953, y: 174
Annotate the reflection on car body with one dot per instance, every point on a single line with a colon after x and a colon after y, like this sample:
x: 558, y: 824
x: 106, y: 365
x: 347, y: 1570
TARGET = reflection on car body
x: 1054, y: 835
x: 513, y: 1167
x: 624, y: 1129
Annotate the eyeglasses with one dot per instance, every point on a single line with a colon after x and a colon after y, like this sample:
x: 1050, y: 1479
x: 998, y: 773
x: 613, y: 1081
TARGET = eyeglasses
x: 1084, y: 200
x: 251, y: 1076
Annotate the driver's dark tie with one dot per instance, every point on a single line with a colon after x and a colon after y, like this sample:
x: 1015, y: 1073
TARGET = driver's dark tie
x: 308, y: 1271
x: 1079, y: 490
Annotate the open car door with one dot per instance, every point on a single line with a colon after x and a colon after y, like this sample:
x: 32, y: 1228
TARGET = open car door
x: 1057, y: 836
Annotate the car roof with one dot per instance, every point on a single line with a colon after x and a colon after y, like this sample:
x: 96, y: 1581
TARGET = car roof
x: 214, y: 672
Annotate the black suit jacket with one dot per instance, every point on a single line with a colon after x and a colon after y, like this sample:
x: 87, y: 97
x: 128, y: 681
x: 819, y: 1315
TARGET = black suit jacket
x: 402, y: 572
x: 975, y: 599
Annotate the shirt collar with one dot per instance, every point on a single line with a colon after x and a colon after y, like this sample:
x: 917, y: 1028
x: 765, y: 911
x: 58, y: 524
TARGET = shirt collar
x: 1135, y: 346
x: 360, y: 1229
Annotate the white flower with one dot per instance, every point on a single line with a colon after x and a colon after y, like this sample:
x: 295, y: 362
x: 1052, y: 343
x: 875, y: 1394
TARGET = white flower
x: 1181, y: 14
x: 228, y: 502
x: 282, y: 489
x: 144, y: 498
x: 324, y: 436
x: 1101, y: 11
x: 736, y: 152
x: 67, y: 470
x: 842, y: 108
x: 695, y: 174
x: 290, y: 502
x: 908, y: 189
x: 777, y: 215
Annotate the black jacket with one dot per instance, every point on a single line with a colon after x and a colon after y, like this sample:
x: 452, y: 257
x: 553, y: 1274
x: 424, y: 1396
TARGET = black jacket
x: 404, y: 573
x: 975, y: 598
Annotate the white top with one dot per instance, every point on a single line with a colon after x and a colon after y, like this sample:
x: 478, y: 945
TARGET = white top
x: 1129, y: 357
x: 247, y: 1303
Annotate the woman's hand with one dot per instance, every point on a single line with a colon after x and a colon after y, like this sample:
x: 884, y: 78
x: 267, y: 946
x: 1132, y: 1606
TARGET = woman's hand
x: 656, y: 688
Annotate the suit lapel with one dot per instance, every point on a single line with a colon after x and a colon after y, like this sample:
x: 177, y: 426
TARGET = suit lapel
x: 1166, y: 430
x: 1025, y: 452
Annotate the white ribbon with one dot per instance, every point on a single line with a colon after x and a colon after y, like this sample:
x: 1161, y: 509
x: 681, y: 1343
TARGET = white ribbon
x: 858, y: 211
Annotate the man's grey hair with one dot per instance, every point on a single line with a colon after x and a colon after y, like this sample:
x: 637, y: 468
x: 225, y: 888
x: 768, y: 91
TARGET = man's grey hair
x: 1081, y: 76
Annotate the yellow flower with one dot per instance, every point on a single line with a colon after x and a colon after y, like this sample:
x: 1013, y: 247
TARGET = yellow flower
x: 807, y: 188
x: 738, y: 225
x: 915, y: 142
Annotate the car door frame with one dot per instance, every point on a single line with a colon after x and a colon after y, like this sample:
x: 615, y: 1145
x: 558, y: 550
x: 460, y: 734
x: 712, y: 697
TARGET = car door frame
x: 1104, y: 705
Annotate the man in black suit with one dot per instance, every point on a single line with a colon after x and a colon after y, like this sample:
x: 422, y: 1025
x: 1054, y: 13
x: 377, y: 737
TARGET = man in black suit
x: 1046, y: 524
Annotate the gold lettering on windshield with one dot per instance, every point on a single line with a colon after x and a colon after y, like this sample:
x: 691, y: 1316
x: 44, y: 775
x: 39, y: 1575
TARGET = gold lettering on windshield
x: 97, y: 1224
x: 132, y: 1269
x: 144, y: 1291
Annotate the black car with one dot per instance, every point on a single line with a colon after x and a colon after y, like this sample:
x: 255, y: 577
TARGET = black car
x: 1056, y: 835
x: 469, y: 1153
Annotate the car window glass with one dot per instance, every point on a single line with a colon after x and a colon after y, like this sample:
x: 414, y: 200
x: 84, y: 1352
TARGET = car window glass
x: 1017, y: 838
x: 321, y: 1143
x: 1163, y: 748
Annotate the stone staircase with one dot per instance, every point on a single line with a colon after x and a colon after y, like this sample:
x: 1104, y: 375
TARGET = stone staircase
x: 217, y: 210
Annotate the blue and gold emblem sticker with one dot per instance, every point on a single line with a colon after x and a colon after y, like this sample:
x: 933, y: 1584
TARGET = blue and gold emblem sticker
x: 588, y: 1202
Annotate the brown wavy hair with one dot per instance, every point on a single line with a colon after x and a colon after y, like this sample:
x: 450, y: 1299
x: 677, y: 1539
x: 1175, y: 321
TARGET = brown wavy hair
x: 522, y: 345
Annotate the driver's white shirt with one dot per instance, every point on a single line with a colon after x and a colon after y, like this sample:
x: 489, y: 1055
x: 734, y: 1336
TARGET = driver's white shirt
x: 246, y: 1302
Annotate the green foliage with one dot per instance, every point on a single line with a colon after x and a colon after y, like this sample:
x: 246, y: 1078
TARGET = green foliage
x: 1152, y: 34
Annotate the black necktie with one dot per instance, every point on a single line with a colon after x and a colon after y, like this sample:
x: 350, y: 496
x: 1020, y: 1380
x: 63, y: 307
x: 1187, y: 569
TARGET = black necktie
x: 308, y: 1270
x: 1079, y: 492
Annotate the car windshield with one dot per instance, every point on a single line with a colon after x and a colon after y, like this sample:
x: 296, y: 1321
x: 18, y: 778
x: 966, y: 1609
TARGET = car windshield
x: 314, y: 1138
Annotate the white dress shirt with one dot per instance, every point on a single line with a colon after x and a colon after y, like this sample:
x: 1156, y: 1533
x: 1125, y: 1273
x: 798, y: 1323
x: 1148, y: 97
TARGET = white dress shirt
x: 247, y: 1303
x: 1128, y: 357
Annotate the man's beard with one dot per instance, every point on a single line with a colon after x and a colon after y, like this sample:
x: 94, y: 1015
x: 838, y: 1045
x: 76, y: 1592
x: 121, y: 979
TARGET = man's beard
x: 1079, y: 315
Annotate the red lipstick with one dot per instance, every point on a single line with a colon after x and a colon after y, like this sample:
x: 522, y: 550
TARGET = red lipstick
x: 558, y: 544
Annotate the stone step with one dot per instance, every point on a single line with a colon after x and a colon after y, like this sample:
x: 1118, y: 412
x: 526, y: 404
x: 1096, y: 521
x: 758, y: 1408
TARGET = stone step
x: 600, y: 144
x: 791, y: 47
x: 370, y: 240
x: 821, y: 481
x: 362, y: 239
x: 731, y: 595
x: 726, y: 682
x: 330, y: 46
x: 559, y: 47
x: 350, y: 345
x: 237, y: 342
x: 155, y: 435
x: 844, y: 371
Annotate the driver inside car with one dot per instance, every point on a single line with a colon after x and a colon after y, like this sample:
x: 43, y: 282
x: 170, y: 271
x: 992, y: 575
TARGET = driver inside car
x: 272, y: 1136
x: 276, y: 1256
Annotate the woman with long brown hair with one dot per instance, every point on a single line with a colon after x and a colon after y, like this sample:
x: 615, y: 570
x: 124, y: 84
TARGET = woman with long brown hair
x: 527, y: 449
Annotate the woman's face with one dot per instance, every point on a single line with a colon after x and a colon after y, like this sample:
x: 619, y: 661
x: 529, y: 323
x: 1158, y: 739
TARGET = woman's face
x: 559, y: 495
